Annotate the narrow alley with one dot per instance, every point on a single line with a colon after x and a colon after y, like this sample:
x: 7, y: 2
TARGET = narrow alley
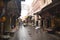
x: 29, y: 19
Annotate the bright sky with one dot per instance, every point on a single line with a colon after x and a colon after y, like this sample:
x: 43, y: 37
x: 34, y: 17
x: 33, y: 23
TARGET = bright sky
x: 24, y: 7
x: 28, y: 2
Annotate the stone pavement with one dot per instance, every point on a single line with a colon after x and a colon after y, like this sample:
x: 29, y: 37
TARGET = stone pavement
x: 30, y: 33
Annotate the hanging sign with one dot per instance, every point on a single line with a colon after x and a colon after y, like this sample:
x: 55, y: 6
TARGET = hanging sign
x: 3, y: 19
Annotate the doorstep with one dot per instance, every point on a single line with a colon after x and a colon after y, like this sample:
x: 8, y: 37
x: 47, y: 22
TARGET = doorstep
x: 5, y: 36
x: 57, y: 33
x: 47, y: 29
x: 14, y: 30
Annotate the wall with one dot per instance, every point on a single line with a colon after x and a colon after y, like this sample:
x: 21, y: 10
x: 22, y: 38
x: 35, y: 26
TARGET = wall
x: 37, y: 5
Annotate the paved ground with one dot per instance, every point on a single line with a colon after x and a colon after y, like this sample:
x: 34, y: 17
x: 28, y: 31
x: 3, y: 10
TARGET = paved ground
x: 29, y: 33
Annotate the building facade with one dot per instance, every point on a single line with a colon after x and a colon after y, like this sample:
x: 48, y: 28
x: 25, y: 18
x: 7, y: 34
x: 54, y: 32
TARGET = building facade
x: 50, y: 17
x: 37, y: 6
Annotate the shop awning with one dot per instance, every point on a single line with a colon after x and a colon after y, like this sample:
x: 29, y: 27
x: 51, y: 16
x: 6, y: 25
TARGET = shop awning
x: 46, y: 8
